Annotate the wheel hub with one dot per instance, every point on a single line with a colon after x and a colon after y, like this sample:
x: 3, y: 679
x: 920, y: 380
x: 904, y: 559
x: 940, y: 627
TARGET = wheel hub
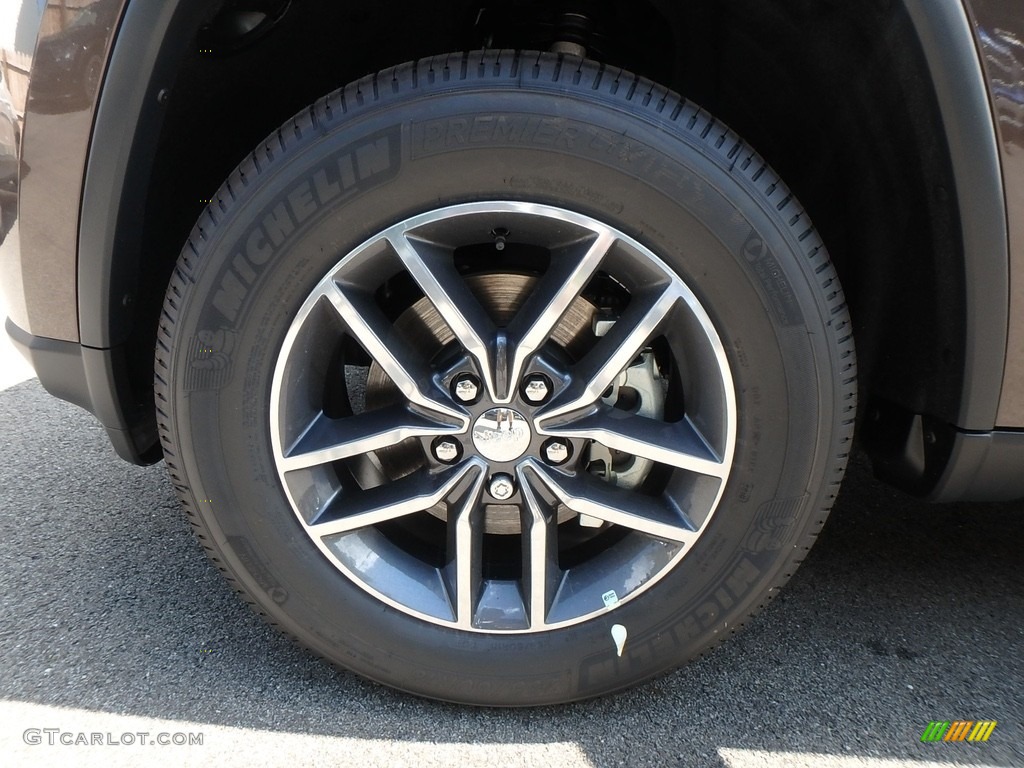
x: 502, y: 295
x: 501, y: 434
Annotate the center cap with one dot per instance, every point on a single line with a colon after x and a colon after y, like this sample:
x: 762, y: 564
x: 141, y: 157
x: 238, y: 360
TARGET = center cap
x: 501, y: 434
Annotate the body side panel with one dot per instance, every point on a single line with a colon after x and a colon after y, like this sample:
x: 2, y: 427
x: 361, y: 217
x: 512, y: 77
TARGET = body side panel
x: 999, y: 27
x: 54, y: 65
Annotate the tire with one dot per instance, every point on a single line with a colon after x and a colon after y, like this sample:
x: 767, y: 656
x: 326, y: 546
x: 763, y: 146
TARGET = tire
x: 505, y: 379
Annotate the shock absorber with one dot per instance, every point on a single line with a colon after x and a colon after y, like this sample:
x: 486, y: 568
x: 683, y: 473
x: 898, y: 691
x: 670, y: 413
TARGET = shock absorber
x: 572, y: 34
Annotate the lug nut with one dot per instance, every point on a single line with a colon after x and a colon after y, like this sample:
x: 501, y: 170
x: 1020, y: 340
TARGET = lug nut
x: 536, y: 388
x: 502, y: 486
x: 466, y: 388
x: 557, y: 451
x: 446, y: 451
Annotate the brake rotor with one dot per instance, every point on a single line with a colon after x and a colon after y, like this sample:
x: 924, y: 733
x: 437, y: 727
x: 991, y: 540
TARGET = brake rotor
x: 502, y: 295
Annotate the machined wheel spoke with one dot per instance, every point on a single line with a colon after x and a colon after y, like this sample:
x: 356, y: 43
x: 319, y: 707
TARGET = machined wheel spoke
x: 468, y: 550
x: 328, y: 439
x: 413, y: 493
x: 540, y: 551
x: 679, y: 445
x: 565, y: 279
x: 433, y: 269
x: 613, y: 353
x: 389, y: 349
x: 587, y: 495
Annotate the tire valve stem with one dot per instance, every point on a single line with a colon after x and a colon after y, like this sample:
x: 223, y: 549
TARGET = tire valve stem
x: 500, y: 235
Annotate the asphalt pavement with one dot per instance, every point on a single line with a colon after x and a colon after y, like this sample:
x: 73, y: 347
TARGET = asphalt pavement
x: 115, y: 628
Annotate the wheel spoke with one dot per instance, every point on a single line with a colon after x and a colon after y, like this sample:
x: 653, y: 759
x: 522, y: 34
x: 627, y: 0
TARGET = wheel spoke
x: 586, y: 495
x: 679, y: 445
x: 568, y: 275
x: 468, y: 549
x: 433, y: 269
x: 326, y: 439
x: 613, y: 353
x: 413, y: 493
x: 540, y: 550
x: 389, y: 349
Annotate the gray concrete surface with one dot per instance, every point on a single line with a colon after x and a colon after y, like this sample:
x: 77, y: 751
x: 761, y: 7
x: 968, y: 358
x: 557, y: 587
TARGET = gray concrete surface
x: 113, y: 622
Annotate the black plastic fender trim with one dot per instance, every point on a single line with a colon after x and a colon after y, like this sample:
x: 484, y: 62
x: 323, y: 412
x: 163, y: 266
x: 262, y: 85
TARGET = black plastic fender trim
x: 944, y: 30
x: 147, y: 52
x: 88, y: 378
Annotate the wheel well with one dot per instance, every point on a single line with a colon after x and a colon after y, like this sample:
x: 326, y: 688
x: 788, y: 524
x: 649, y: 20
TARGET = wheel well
x: 836, y: 96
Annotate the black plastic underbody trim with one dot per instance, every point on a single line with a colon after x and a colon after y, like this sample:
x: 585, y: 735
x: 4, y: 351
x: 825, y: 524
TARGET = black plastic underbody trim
x: 932, y: 459
x: 983, y: 466
x: 88, y: 378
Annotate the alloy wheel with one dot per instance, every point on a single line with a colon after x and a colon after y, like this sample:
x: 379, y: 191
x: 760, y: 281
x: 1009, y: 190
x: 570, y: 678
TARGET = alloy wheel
x: 503, y: 417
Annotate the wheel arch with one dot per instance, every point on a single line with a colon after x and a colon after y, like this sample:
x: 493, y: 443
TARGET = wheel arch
x: 118, y: 273
x: 127, y: 121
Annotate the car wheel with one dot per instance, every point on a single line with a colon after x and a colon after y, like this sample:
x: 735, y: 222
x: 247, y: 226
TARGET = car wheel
x: 506, y: 379
x: 91, y: 75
